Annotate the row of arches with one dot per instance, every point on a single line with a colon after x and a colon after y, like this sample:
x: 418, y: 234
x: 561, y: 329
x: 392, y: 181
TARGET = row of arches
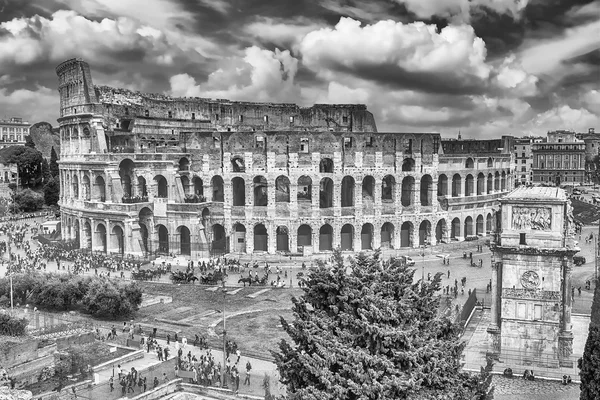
x: 472, y: 186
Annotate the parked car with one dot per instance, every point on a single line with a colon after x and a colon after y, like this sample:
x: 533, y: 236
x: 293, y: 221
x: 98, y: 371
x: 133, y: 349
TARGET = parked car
x: 407, y: 260
x: 578, y: 260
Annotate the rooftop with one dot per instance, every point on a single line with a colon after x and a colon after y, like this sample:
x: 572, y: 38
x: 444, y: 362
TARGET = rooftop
x: 537, y: 193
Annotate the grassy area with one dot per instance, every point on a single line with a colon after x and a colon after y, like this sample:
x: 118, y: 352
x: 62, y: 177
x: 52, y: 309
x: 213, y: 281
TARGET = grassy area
x: 584, y: 212
x: 253, y: 331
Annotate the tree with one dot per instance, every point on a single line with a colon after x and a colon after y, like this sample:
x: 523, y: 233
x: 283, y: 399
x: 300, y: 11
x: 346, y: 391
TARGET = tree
x: 29, y: 162
x: 27, y: 200
x: 51, y: 192
x: 44, y: 137
x: 29, y: 142
x: 104, y: 298
x: 12, y: 326
x: 589, y: 364
x: 368, y: 331
x: 54, y: 171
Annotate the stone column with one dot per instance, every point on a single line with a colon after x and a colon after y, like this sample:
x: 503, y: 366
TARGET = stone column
x: 271, y: 235
x: 494, y: 329
x: 565, y: 337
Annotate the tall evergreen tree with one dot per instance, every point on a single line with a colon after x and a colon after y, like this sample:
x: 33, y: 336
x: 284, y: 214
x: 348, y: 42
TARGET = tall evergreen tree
x: 589, y: 364
x: 368, y: 331
x: 29, y: 142
x: 54, y: 163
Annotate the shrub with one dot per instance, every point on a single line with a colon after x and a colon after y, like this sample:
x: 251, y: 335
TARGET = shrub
x: 27, y: 200
x: 12, y: 326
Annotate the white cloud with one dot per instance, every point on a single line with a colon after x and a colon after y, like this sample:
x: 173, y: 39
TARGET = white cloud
x: 415, y: 47
x: 261, y: 75
x: 459, y: 10
x: 32, y: 105
x: 283, y: 33
x: 510, y: 75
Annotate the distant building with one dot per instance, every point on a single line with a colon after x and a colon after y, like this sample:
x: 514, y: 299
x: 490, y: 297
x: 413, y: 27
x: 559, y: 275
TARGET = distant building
x: 524, y: 158
x: 560, y: 159
x: 13, y: 132
x: 592, y: 149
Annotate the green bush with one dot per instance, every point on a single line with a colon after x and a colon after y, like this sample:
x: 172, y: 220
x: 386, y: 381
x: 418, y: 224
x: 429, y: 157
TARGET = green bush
x: 28, y: 200
x: 12, y: 326
x: 104, y: 298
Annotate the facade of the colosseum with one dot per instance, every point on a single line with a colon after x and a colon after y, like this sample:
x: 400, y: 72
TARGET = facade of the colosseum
x: 147, y: 173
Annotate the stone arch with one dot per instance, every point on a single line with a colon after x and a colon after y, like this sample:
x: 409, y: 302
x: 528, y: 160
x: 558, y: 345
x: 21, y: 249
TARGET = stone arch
x: 142, y: 186
x: 347, y: 237
x: 490, y: 183
x: 480, y: 183
x: 282, y: 189
x: 99, y: 189
x: 77, y: 231
x: 426, y: 190
x: 406, y: 234
x: 489, y: 227
x: 238, y: 192
x: 469, y: 184
x: 326, y: 238
x: 237, y: 164
x: 162, y: 187
x: 368, y: 188
x: 503, y: 181
x: 442, y: 186
x: 219, y: 239
x: 283, y: 238
x: 408, y: 187
x: 146, y: 222
x: 469, y: 163
x: 496, y: 181
x: 101, y: 236
x: 304, y: 188
x: 118, y: 239
x: 326, y: 193
x: 239, y: 237
x: 163, y: 239
x: 75, y: 184
x: 387, y: 235
x: 261, y: 191
x: 261, y: 238
x: 127, y: 175
x: 185, y: 240
x: 326, y: 165
x: 184, y: 164
x: 87, y: 229
x: 490, y: 162
x: 304, y: 236
x: 440, y: 231
x: 455, y: 228
x: 424, y: 233
x: 86, y: 187
x: 408, y: 165
x: 217, y: 188
x: 388, y: 188
x: 456, y: 185
x: 468, y: 229
x: 347, y: 192
x: 366, y: 237
x: 198, y: 186
x: 479, y: 225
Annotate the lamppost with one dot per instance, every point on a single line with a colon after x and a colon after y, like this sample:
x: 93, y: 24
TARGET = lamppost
x: 223, y: 383
x: 422, y: 263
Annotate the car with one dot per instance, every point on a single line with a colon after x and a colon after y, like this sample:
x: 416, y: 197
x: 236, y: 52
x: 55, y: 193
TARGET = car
x: 408, y: 260
x: 578, y: 260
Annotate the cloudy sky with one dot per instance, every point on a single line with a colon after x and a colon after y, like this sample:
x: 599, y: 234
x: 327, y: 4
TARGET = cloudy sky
x: 484, y: 67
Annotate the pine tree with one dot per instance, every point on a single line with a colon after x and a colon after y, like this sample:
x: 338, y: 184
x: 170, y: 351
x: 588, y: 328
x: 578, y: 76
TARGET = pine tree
x: 370, y: 332
x: 589, y: 364
x: 54, y: 163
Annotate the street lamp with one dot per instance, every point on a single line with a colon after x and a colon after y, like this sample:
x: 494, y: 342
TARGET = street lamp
x: 224, y: 290
x: 422, y: 263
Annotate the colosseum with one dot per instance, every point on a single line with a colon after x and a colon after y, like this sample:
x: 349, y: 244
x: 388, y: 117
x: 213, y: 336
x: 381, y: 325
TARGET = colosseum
x: 146, y: 174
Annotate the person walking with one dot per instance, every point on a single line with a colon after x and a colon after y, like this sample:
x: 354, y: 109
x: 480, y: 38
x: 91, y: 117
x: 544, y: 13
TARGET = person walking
x: 111, y: 384
x: 247, y: 380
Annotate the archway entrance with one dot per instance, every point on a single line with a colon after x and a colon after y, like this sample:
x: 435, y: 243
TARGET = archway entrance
x: 424, y: 233
x: 304, y: 237
x: 406, y: 233
x: 479, y: 225
x: 283, y: 239
x: 387, y: 235
x: 440, y: 231
x: 366, y: 237
x: 219, y: 240
x: 118, y: 242
x: 468, y: 226
x: 239, y: 238
x: 455, y: 228
x: 261, y: 238
x: 163, y: 239
x: 101, y: 237
x: 326, y: 238
x: 185, y: 242
x: 347, y: 237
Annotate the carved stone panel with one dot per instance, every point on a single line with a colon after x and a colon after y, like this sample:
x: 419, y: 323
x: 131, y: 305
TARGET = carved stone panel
x: 531, y: 294
x: 532, y: 218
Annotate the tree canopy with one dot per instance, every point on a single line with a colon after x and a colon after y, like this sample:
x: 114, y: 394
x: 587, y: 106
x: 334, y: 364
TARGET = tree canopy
x: 589, y: 364
x: 29, y: 162
x: 368, y: 331
x: 54, y: 171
